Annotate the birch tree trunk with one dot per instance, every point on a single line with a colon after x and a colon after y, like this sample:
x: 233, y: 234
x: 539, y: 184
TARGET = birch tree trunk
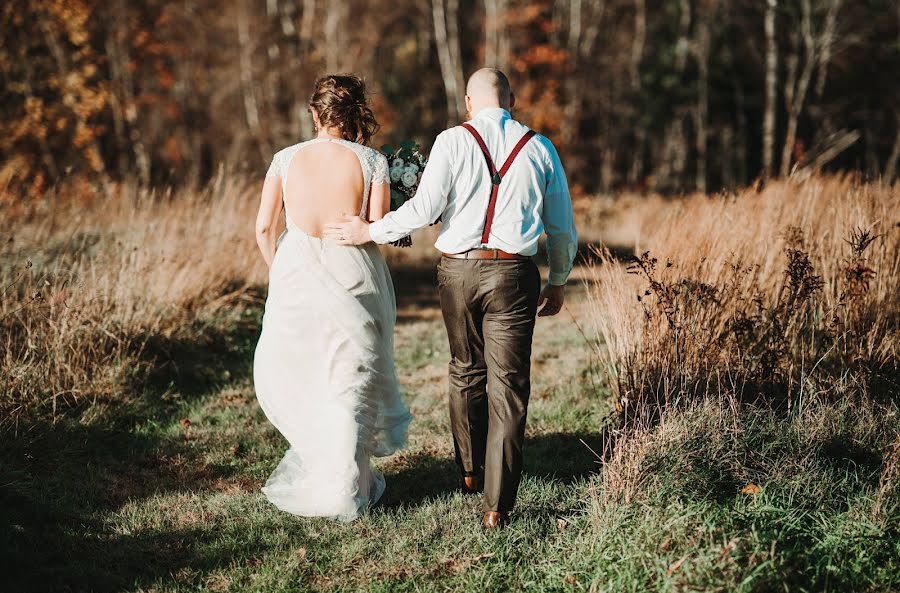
x: 637, y: 44
x: 248, y: 91
x: 584, y: 19
x: 682, y: 46
x: 701, y: 110
x: 572, y: 86
x: 496, y: 41
x: 796, y: 86
x: 334, y: 22
x: 826, y: 47
x: 768, y: 132
x: 456, y: 54
x: 121, y: 96
x: 634, y: 73
x: 491, y: 9
x: 452, y: 88
x: 304, y: 52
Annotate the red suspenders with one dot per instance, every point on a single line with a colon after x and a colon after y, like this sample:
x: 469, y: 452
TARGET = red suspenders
x: 496, y: 176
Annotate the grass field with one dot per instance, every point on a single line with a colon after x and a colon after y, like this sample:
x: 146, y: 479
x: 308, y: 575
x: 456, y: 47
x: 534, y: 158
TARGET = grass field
x: 134, y: 449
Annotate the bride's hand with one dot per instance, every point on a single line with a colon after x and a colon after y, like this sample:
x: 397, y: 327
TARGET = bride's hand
x: 353, y: 231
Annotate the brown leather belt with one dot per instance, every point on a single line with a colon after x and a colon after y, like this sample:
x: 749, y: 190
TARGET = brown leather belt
x: 485, y: 254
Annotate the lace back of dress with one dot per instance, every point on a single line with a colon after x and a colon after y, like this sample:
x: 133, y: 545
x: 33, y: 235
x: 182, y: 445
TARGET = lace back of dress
x: 373, y: 164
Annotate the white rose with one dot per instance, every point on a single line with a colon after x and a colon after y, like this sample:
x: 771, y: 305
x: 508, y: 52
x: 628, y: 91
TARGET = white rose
x: 396, y: 173
x: 398, y: 163
x: 409, y: 178
x: 411, y: 168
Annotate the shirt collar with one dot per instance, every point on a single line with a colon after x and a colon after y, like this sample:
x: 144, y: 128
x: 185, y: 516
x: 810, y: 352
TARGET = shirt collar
x: 495, y: 113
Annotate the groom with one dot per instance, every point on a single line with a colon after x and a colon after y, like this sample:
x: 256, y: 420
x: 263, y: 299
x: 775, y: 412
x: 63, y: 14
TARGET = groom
x: 496, y: 186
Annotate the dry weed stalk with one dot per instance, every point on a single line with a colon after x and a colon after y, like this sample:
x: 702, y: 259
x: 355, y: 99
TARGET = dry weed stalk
x: 779, y: 296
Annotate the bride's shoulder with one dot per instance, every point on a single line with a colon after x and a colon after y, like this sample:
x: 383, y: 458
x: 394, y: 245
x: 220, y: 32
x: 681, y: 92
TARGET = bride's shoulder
x: 369, y: 150
x: 282, y: 158
x: 373, y: 155
x: 287, y: 150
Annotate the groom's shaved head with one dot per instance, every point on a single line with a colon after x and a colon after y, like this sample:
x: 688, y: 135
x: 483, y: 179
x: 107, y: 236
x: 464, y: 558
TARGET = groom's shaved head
x: 489, y: 86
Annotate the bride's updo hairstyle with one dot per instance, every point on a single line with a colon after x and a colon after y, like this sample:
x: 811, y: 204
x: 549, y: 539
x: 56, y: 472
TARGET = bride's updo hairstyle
x: 339, y: 101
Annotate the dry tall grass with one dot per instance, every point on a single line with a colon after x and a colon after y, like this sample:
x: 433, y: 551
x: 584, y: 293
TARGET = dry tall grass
x: 87, y: 279
x: 91, y: 275
x: 752, y: 349
x: 781, y: 294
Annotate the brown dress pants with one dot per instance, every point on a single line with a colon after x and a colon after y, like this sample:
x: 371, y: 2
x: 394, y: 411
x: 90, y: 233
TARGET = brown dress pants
x: 489, y: 309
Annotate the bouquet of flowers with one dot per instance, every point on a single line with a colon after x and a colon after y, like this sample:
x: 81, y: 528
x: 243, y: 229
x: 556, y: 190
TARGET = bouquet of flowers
x: 406, y: 165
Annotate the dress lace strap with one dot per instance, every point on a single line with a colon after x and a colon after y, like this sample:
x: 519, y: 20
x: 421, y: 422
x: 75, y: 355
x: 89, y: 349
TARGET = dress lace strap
x: 364, y: 209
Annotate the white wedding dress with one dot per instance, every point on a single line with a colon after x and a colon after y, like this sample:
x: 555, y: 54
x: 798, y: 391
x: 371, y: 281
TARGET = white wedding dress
x: 324, y: 366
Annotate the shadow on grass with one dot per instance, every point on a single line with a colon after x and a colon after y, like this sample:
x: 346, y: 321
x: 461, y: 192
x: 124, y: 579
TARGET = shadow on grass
x: 58, y: 478
x: 53, y: 536
x: 562, y: 458
x: 86, y: 556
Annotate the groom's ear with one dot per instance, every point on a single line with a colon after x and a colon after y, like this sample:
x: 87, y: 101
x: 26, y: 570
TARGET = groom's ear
x: 468, y: 105
x: 512, y: 100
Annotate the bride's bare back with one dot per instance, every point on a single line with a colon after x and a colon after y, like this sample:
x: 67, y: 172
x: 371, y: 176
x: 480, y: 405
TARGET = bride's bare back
x: 324, y: 181
x: 320, y: 181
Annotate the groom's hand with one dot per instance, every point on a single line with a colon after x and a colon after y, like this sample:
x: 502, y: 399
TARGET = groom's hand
x: 551, y: 300
x: 353, y: 231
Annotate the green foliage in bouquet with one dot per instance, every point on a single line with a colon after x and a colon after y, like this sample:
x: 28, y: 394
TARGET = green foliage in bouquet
x: 406, y: 163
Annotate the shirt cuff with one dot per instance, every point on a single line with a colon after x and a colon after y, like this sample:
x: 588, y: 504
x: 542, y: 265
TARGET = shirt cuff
x: 558, y: 278
x: 377, y: 232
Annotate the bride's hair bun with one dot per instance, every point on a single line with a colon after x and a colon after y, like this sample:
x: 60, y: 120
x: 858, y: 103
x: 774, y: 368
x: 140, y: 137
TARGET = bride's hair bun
x: 340, y: 102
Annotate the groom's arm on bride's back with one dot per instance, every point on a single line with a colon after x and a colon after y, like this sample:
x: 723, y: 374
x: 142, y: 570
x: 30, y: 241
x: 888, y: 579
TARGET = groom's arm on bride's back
x: 430, y: 199
x: 558, y: 218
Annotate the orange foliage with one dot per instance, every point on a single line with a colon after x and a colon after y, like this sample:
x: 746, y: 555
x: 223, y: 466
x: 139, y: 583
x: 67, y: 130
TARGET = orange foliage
x: 50, y: 111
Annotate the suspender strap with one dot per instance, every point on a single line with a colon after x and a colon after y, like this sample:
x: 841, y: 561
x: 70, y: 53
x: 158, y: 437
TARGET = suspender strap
x: 496, y: 176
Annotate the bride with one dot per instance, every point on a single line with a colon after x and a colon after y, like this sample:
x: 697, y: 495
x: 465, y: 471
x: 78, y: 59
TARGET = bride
x: 324, y: 365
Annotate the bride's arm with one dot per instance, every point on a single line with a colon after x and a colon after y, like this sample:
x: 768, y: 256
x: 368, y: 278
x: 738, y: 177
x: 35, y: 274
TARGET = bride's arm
x: 379, y: 201
x: 270, y: 205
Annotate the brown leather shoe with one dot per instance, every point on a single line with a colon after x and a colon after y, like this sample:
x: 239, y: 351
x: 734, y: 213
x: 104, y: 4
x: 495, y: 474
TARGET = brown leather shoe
x: 472, y: 484
x: 495, y: 520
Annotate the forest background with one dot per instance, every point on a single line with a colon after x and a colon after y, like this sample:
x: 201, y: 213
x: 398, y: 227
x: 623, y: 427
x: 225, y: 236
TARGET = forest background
x: 659, y: 95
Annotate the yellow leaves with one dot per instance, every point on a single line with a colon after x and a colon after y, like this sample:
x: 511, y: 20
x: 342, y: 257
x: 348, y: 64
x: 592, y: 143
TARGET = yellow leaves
x: 83, y: 135
x: 74, y: 79
x: 34, y: 107
x: 93, y: 158
x: 751, y: 489
x: 73, y: 15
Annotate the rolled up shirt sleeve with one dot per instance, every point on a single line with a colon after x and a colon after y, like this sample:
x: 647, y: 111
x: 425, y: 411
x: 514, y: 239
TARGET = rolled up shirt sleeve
x: 429, y: 202
x: 559, y: 221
